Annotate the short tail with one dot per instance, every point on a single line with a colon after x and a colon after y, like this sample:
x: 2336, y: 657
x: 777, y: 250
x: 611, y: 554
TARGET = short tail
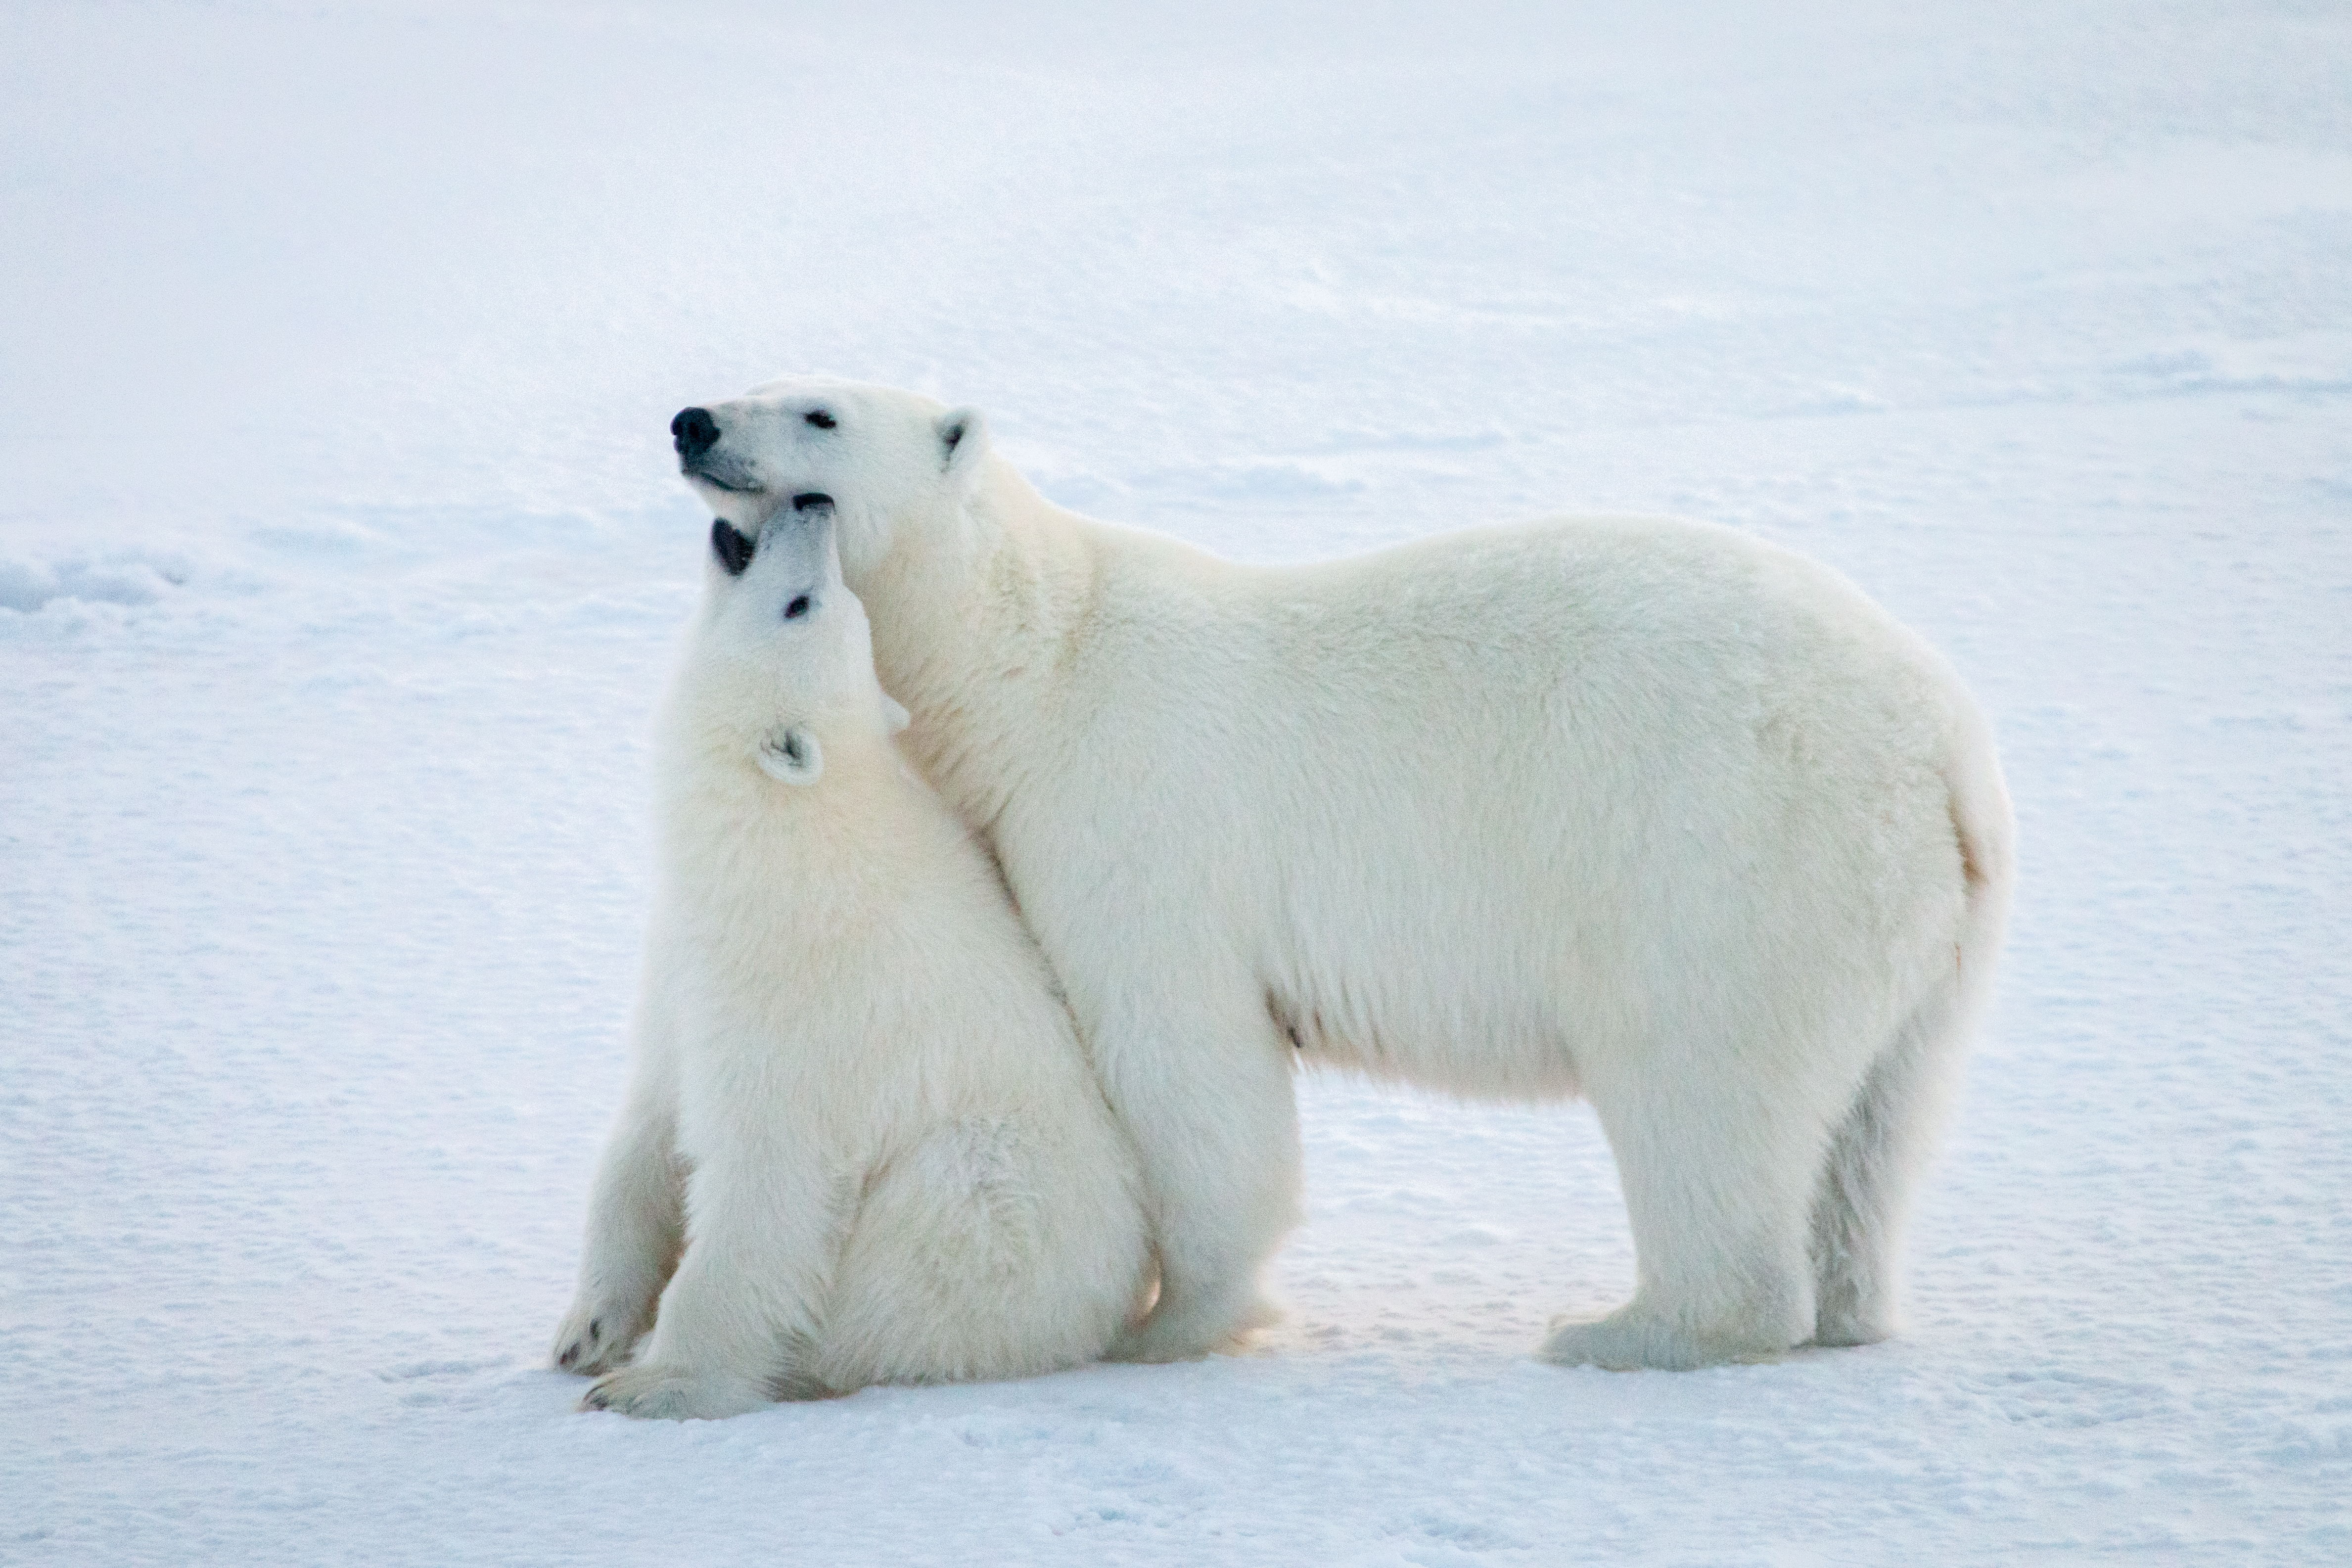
x: 1987, y: 830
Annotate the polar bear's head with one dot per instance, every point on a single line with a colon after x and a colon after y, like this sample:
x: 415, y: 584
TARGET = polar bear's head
x: 781, y: 656
x: 884, y: 460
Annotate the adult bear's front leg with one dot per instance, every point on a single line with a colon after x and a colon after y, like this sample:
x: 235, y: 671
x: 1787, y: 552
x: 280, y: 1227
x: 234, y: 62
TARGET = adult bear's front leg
x: 1202, y: 1082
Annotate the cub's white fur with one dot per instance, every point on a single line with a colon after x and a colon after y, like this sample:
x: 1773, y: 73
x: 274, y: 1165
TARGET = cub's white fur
x: 859, y: 1104
x: 1643, y: 810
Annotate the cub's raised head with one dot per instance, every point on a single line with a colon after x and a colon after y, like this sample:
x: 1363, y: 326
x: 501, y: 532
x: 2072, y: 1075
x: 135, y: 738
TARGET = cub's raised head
x: 781, y: 656
x: 887, y: 460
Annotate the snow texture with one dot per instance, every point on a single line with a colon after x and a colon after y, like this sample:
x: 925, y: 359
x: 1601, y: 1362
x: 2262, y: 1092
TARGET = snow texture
x: 341, y: 558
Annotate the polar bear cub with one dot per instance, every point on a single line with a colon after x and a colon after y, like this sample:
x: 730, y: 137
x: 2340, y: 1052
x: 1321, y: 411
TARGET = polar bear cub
x: 860, y: 1104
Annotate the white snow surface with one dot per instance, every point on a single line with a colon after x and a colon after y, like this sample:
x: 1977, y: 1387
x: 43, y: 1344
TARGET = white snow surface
x: 342, y: 553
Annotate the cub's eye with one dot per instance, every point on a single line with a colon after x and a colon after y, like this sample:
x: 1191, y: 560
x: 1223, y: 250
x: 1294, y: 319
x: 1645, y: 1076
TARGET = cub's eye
x: 820, y: 418
x: 797, y: 608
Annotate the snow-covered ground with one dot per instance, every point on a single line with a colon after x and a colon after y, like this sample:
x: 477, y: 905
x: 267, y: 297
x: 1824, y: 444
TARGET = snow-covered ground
x: 340, y: 552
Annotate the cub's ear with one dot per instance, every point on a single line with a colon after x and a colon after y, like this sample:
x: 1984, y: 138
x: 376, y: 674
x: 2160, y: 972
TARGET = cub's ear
x: 963, y: 442
x: 732, y: 548
x: 793, y: 755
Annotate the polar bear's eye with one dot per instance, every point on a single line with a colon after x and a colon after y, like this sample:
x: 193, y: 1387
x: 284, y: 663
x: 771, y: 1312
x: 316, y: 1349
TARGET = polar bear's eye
x: 797, y: 608
x: 820, y: 418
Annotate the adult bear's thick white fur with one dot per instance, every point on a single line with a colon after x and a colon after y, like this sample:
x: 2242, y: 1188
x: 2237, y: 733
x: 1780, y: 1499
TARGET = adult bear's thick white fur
x: 858, y: 1101
x: 1645, y: 810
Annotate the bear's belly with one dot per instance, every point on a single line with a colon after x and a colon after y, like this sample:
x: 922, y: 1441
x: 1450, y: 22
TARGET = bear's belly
x: 1410, y: 1026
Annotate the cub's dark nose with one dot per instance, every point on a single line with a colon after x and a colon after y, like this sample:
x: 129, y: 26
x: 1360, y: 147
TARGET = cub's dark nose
x: 693, y: 432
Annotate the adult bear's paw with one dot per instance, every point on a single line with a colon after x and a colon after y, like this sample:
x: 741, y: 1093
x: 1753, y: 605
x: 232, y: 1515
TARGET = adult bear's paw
x: 1174, y: 1334
x: 1633, y: 1339
x: 659, y: 1393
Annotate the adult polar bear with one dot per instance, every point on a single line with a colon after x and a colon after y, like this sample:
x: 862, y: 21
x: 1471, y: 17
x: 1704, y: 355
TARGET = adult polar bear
x: 1645, y: 810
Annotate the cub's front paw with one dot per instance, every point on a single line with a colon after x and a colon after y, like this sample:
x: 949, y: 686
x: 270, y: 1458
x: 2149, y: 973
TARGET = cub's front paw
x: 659, y: 1393
x: 596, y: 1336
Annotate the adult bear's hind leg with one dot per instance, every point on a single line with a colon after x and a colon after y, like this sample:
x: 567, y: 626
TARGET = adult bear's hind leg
x: 1718, y: 1172
x: 1872, y: 1164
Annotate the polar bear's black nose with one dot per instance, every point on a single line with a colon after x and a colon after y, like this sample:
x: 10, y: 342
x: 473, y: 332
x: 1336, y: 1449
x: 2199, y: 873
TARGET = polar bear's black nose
x: 693, y: 432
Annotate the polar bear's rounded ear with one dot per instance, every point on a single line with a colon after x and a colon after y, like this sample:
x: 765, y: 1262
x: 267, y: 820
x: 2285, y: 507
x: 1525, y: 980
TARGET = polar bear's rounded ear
x: 963, y: 442
x: 896, y: 717
x: 792, y: 755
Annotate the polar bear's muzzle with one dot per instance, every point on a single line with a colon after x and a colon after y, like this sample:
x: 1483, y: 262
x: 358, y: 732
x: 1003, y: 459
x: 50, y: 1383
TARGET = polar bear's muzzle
x: 696, y: 435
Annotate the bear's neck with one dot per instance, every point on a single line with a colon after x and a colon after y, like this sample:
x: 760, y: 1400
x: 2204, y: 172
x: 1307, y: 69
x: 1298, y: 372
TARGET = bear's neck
x: 971, y: 639
x: 735, y: 840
